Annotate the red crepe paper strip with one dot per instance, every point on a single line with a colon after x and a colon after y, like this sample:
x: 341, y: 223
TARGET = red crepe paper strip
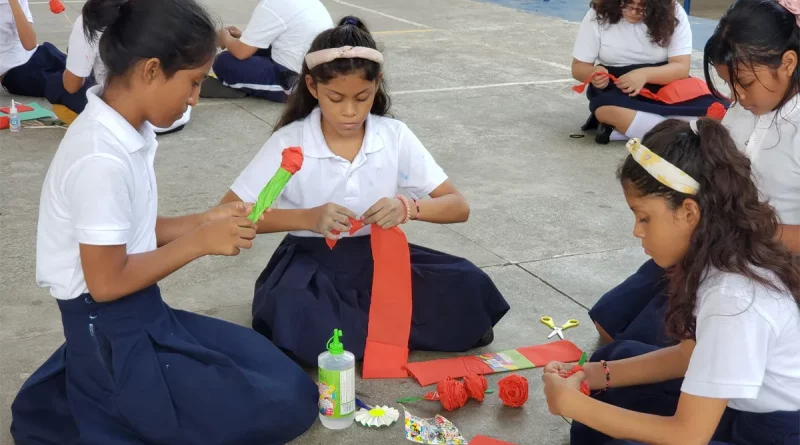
x: 292, y: 159
x: 452, y: 394
x: 56, y: 7
x: 386, y: 351
x: 432, y: 371
x: 513, y: 390
x: 716, y: 111
x: 484, y: 440
x: 584, y: 384
x: 476, y: 386
x: 672, y: 93
x: 21, y: 108
x: 5, y: 122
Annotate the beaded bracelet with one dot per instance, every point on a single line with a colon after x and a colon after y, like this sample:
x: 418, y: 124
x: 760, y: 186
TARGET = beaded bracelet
x: 608, y: 375
x: 404, y: 200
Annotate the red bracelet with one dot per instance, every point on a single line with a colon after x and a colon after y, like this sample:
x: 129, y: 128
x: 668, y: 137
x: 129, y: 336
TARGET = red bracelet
x: 608, y: 375
x: 404, y: 200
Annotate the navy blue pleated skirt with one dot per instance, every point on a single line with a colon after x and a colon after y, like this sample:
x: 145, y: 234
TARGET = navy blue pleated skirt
x: 612, y: 95
x: 135, y: 371
x: 307, y: 290
x: 636, y: 308
x: 735, y: 427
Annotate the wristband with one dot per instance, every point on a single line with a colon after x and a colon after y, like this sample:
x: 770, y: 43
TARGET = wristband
x: 608, y: 375
x: 407, y: 207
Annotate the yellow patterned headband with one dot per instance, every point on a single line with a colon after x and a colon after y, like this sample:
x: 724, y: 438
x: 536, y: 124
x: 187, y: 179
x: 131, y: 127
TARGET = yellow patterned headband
x: 661, y: 169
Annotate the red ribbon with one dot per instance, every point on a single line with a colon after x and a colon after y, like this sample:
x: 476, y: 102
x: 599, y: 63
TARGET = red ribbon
x: 386, y: 352
x: 673, y: 93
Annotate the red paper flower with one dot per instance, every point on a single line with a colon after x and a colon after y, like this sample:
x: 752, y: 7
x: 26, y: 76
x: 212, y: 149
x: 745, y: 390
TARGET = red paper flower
x: 716, y: 111
x: 476, y: 386
x: 513, y: 390
x: 452, y: 394
x: 56, y: 7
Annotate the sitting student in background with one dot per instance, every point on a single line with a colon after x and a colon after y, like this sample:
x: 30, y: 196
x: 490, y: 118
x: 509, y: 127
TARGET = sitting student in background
x: 763, y: 73
x: 644, y: 44
x: 25, y: 67
x: 84, y: 69
x: 264, y: 59
x: 734, y: 304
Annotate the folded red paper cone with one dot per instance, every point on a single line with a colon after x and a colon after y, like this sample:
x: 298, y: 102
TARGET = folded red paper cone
x: 432, y: 371
x: 386, y: 351
x: 484, y: 440
x: 672, y: 93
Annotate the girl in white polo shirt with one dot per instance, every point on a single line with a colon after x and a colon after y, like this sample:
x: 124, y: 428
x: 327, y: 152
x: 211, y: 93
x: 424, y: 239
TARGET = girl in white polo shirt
x: 132, y: 369
x: 84, y: 69
x: 356, y: 161
x: 733, y: 302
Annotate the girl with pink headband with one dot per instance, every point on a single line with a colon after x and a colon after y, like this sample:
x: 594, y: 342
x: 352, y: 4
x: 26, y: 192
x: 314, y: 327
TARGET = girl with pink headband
x: 359, y: 164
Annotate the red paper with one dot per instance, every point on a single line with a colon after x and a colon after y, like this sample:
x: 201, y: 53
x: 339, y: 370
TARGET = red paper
x: 484, y: 440
x: 432, y: 371
x: 673, y: 93
x: 386, y: 352
x: 56, y: 7
x: 20, y: 109
x: 5, y: 122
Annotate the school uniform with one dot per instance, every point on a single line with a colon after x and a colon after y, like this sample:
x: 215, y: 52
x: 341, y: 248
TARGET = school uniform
x: 307, y: 289
x: 747, y: 352
x: 624, y: 47
x: 83, y: 60
x: 635, y: 309
x: 134, y: 370
x: 27, y: 73
x: 283, y: 32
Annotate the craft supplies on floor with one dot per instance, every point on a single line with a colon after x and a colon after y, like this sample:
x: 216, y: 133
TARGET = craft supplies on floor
x: 547, y: 320
x: 484, y: 440
x: 454, y: 394
x: 432, y: 371
x: 377, y: 417
x: 337, y: 392
x: 513, y: 390
x: 436, y: 430
x: 35, y: 111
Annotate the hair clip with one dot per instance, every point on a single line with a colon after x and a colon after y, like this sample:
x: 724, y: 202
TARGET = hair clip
x: 659, y: 168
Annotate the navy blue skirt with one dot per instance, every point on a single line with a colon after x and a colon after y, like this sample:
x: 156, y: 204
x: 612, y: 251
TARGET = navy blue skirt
x: 612, y: 95
x: 135, y: 371
x: 735, y: 427
x: 307, y: 290
x: 636, y: 309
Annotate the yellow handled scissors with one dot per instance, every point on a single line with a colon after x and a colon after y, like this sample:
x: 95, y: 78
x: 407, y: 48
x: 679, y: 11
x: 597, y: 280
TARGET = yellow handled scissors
x: 571, y: 323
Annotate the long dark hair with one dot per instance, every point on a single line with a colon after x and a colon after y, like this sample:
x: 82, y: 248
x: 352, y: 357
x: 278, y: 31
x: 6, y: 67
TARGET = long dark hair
x: 737, y: 231
x: 350, y: 31
x: 753, y: 33
x: 659, y: 16
x: 179, y: 33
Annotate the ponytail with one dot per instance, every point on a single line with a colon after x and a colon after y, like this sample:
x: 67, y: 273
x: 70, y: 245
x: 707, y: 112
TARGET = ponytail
x: 179, y: 33
x: 737, y: 231
x: 350, y: 31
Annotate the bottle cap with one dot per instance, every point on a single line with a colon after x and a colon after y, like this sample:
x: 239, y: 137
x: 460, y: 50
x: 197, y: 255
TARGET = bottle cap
x: 335, y: 347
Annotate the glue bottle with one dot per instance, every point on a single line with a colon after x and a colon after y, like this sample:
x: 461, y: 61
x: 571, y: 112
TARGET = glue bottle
x: 337, y: 391
x: 13, y: 117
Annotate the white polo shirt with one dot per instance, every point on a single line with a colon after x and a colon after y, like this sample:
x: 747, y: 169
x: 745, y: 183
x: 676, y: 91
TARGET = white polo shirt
x: 83, y: 56
x: 12, y: 53
x: 626, y: 43
x: 288, y: 27
x: 101, y: 190
x: 772, y: 142
x: 747, y: 345
x: 391, y: 159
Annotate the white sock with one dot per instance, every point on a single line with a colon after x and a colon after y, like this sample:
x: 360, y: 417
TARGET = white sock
x: 642, y: 123
x: 182, y: 121
x: 617, y: 136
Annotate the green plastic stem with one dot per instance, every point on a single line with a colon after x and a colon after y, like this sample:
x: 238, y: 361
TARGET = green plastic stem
x: 271, y: 191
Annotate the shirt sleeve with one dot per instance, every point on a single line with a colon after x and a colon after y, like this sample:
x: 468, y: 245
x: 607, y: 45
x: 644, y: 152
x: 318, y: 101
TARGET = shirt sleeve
x: 681, y: 43
x: 80, y: 56
x: 587, y: 44
x: 733, y: 342
x: 259, y: 171
x: 418, y: 172
x: 99, y: 194
x: 264, y: 27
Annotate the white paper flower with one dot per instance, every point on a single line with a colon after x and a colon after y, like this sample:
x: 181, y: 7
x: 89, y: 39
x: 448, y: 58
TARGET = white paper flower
x: 378, y: 416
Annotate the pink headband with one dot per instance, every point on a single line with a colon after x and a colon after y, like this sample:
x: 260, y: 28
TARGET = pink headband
x: 345, y: 52
x: 792, y: 6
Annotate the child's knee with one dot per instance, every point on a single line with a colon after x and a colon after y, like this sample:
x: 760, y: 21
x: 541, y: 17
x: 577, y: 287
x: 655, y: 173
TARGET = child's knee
x: 224, y: 63
x: 607, y: 114
x: 605, y: 337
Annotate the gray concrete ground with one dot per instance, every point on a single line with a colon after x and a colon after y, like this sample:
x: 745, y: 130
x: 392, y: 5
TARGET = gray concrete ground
x: 487, y: 89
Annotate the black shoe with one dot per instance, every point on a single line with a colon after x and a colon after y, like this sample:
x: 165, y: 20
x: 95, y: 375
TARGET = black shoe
x: 591, y: 123
x: 603, y: 135
x: 213, y: 88
x: 486, y: 340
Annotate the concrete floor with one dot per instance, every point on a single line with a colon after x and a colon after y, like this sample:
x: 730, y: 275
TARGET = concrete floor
x: 487, y: 89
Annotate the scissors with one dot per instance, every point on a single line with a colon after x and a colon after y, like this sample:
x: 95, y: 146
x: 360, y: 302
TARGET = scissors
x: 571, y: 323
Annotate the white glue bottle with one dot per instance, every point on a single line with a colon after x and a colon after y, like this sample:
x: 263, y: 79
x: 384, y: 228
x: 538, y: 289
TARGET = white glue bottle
x: 13, y: 117
x: 337, y: 385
